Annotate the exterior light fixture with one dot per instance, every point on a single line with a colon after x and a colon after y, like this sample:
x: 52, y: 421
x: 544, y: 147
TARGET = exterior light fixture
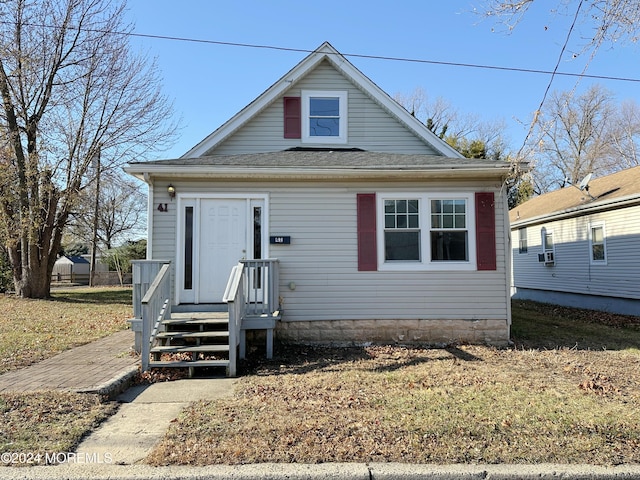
x: 171, y: 190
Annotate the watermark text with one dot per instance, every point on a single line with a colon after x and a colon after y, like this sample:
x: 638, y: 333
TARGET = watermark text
x: 53, y: 458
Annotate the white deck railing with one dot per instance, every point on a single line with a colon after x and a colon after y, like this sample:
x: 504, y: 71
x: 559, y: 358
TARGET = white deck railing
x: 234, y: 296
x: 262, y: 286
x: 156, y: 307
x: 252, y: 292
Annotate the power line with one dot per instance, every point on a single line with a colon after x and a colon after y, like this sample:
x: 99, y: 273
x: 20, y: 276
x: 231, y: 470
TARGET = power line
x: 358, y: 55
x: 553, y: 74
x: 395, y: 59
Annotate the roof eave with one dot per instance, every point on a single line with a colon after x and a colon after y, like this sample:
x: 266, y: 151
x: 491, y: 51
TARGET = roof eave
x: 144, y: 172
x: 579, y: 210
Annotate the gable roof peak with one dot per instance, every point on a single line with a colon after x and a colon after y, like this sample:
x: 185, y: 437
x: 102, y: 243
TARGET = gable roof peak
x: 341, y: 64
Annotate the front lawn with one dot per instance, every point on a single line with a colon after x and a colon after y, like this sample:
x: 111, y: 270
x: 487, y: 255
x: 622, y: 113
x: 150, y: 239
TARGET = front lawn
x: 567, y: 393
x: 33, y: 330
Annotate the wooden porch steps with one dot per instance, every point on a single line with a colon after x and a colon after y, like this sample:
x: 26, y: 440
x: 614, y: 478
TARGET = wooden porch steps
x: 190, y: 348
x: 203, y: 336
x: 189, y: 364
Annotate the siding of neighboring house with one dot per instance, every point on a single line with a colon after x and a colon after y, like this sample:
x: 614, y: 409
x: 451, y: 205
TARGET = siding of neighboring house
x: 322, y: 257
x: 370, y: 126
x: 573, y: 272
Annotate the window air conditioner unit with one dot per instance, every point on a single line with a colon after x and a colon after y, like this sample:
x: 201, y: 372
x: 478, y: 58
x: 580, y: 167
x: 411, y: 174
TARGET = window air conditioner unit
x: 547, y: 258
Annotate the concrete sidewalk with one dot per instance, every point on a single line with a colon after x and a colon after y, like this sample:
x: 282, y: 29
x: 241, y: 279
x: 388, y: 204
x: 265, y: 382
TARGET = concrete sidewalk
x: 104, y: 367
x: 145, y: 415
x: 107, y: 367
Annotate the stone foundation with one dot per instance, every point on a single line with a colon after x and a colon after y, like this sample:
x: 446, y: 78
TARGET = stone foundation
x: 423, y: 332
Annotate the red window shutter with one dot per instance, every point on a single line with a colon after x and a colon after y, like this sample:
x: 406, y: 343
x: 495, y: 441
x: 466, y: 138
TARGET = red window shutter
x: 485, y: 231
x: 367, y: 245
x: 292, y: 117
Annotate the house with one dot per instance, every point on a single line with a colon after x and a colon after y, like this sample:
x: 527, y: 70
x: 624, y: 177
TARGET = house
x: 580, y: 246
x: 382, y: 232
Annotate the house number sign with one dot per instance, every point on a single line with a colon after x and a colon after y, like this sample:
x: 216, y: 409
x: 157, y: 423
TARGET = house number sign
x: 280, y: 240
x: 162, y: 207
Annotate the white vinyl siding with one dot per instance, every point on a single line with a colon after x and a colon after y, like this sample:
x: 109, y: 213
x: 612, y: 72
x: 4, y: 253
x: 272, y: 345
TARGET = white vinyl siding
x: 370, y: 127
x: 322, y: 258
x: 574, y: 272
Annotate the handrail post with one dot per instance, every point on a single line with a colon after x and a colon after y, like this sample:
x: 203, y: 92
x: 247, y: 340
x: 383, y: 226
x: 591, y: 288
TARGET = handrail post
x: 144, y: 271
x: 154, y: 307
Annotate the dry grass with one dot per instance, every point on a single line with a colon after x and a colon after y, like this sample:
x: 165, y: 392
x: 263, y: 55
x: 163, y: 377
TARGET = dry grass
x: 574, y: 403
x: 33, y: 330
x: 48, y: 422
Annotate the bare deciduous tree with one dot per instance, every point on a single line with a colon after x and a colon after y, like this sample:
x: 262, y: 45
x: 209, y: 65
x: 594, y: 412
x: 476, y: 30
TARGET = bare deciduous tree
x: 120, y: 215
x: 71, y: 89
x: 574, y: 138
x: 588, y: 133
x: 602, y: 21
x: 451, y: 125
x: 626, y: 137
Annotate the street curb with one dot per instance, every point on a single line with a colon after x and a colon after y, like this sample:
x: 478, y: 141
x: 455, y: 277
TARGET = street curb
x: 333, y: 471
x: 115, y: 385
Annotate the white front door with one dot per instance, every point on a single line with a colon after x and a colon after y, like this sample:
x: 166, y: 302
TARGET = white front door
x: 215, y: 234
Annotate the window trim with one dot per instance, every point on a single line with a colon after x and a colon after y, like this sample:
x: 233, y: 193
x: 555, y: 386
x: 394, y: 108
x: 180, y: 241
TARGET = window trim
x: 342, y: 96
x: 523, y: 243
x: 425, y: 263
x: 592, y: 260
x: 546, y: 259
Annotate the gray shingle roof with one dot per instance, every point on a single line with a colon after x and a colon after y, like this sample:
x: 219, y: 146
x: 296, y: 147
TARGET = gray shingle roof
x: 602, y: 191
x: 335, y: 159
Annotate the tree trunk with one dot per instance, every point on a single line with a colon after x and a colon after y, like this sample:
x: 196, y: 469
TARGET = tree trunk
x: 34, y: 283
x: 32, y: 270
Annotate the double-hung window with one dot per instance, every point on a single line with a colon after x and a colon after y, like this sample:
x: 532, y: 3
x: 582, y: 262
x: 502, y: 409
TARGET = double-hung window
x: 402, y: 230
x: 324, y: 116
x: 426, y: 231
x: 548, y: 255
x: 598, y: 244
x: 449, y: 233
x: 522, y: 240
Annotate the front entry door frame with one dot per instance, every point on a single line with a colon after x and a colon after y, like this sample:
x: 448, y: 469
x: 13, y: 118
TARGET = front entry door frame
x: 192, y: 202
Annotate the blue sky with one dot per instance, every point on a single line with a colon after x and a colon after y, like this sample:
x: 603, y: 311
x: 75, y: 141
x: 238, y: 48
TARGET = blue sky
x: 209, y: 83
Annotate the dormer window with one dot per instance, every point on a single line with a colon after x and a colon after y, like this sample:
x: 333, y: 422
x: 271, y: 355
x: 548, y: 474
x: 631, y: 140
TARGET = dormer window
x: 324, y: 116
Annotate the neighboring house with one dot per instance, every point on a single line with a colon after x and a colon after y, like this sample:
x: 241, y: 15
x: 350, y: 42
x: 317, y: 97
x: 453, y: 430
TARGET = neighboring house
x: 581, y: 247
x: 71, y: 269
x: 382, y: 231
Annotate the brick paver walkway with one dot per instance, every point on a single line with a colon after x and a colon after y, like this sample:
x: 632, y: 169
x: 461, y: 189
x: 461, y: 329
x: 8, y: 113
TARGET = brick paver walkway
x: 88, y: 368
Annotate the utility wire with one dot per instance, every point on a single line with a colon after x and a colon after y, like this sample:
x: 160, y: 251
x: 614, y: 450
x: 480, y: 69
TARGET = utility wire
x: 553, y: 75
x: 395, y: 59
x: 555, y: 72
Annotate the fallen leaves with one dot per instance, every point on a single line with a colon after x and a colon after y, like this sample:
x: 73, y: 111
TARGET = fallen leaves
x: 33, y: 330
x: 417, y: 405
x: 600, y: 385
